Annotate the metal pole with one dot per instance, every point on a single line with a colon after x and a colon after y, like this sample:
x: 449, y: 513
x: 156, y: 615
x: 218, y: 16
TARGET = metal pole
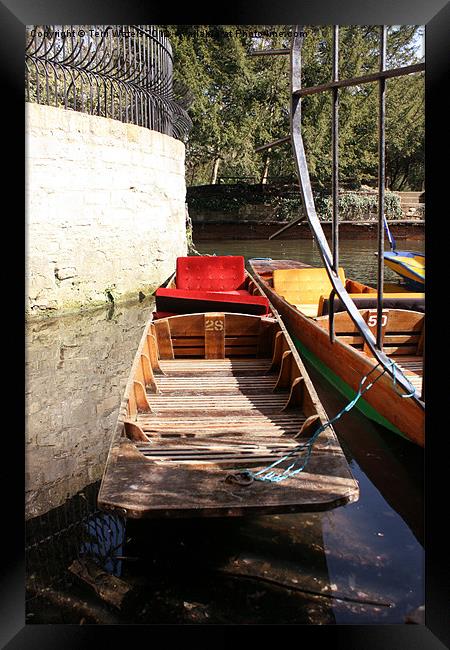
x: 270, y: 52
x: 299, y: 151
x: 335, y: 151
x: 381, y: 183
x: 316, y: 227
x: 364, y: 79
x: 335, y: 175
x: 274, y: 143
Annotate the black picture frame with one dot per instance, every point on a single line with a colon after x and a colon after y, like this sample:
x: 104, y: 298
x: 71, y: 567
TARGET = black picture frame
x: 14, y: 15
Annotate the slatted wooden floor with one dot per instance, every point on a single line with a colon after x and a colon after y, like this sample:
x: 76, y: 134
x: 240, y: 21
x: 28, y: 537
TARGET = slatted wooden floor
x: 223, y: 411
x: 210, y: 418
x: 412, y: 368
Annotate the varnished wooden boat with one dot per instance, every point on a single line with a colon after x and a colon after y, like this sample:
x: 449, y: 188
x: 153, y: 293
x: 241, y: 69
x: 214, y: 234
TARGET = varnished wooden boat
x: 347, y: 360
x: 210, y: 395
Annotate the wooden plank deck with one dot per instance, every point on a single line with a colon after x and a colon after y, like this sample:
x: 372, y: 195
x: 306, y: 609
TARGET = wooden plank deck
x: 412, y: 368
x: 225, y: 404
x: 209, y: 418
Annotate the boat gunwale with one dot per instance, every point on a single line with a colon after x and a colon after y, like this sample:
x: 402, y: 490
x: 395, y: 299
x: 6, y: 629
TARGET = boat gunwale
x: 360, y: 359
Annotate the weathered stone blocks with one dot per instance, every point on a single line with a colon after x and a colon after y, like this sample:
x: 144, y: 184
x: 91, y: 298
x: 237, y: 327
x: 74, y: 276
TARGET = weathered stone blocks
x: 105, y: 208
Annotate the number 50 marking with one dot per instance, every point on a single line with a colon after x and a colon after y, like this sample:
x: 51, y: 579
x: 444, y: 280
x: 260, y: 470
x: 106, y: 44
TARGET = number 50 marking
x: 372, y: 321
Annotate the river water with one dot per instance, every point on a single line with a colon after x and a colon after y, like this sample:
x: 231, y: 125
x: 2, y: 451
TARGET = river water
x: 361, y: 563
x: 356, y: 256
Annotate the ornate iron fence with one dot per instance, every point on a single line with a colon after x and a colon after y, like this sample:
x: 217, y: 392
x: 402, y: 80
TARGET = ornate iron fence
x: 124, y: 73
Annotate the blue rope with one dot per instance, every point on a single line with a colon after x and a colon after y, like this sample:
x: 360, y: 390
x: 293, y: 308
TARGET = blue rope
x: 266, y: 474
x: 394, y: 383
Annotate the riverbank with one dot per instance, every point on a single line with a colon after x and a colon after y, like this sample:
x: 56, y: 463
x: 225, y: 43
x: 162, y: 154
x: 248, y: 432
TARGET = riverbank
x: 401, y: 229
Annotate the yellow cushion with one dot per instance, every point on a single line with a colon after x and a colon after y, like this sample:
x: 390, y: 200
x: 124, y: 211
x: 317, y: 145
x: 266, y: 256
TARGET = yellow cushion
x: 308, y: 310
x: 303, y: 286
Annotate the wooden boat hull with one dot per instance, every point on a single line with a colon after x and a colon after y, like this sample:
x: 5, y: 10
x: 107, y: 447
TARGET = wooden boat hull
x: 210, y: 394
x: 344, y: 366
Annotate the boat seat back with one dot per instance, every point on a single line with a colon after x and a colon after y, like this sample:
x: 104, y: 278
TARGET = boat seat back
x: 304, y: 287
x: 185, y: 301
x: 400, y: 300
x: 211, y: 273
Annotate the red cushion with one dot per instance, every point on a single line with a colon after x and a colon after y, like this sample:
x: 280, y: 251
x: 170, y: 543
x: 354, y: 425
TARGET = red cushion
x: 185, y: 302
x: 163, y: 314
x: 211, y: 273
x: 237, y: 292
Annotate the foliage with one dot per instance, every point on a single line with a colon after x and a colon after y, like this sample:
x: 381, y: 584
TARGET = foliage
x: 353, y: 206
x: 359, y: 207
x: 241, y: 102
x: 405, y: 134
x: 238, y: 102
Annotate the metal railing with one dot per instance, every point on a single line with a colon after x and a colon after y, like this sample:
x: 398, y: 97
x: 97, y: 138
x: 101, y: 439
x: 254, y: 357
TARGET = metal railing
x: 124, y: 73
x: 330, y: 258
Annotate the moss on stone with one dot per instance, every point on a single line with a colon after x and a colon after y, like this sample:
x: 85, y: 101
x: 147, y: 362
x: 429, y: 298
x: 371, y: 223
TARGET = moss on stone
x: 68, y: 308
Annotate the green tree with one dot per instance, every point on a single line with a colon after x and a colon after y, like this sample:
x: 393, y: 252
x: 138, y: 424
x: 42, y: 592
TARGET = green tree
x: 241, y: 102
x: 215, y: 69
x: 405, y: 134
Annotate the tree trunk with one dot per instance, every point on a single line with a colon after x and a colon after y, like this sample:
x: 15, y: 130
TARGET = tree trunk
x: 215, y: 170
x: 266, y: 168
x: 402, y: 183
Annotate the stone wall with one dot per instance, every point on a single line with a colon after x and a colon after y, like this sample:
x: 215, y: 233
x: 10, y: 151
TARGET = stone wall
x: 259, y: 205
x: 242, y: 203
x: 202, y: 232
x: 105, y: 209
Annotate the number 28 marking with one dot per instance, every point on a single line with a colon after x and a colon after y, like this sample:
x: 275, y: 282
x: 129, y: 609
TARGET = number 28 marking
x: 211, y: 325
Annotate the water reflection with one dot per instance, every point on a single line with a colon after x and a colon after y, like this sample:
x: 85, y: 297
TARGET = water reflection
x: 106, y: 539
x: 76, y: 370
x: 374, y: 546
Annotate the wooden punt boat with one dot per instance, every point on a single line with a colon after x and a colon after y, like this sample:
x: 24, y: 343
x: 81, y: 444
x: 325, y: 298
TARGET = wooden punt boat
x: 347, y: 360
x: 211, y: 394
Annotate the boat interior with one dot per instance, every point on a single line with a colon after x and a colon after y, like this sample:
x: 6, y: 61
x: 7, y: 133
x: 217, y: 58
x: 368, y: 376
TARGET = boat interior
x: 403, y: 320
x: 235, y: 372
x: 403, y: 335
x: 210, y: 393
x: 308, y: 289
